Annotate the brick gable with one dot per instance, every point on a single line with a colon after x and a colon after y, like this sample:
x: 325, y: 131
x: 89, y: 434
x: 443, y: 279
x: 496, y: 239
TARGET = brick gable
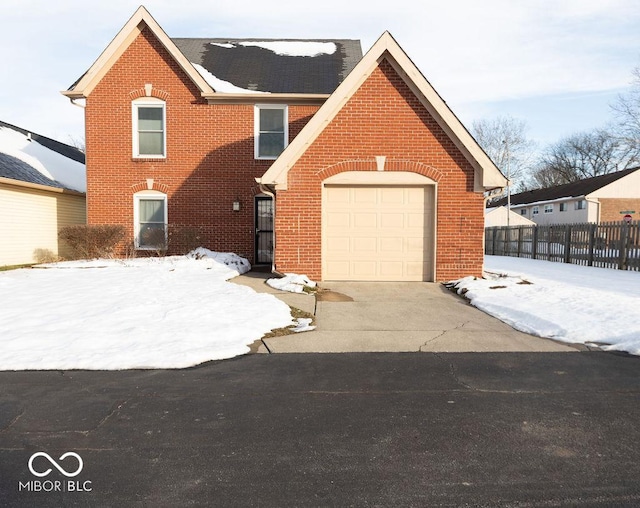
x: 383, y: 117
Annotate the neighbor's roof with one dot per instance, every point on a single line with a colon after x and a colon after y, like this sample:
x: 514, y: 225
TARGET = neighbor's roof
x: 225, y: 68
x: 568, y: 190
x: 34, y: 159
x: 274, y: 65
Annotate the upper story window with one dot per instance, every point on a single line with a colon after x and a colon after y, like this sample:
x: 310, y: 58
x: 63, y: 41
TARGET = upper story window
x: 581, y: 205
x: 271, y: 130
x: 149, y: 128
x: 523, y: 211
x: 535, y: 210
x: 548, y: 208
x: 563, y: 207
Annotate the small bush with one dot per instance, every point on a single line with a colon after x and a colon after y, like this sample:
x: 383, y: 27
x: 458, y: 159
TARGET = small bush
x: 92, y: 241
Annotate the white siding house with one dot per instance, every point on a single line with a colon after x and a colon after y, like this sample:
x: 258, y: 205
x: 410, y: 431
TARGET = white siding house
x: 42, y: 189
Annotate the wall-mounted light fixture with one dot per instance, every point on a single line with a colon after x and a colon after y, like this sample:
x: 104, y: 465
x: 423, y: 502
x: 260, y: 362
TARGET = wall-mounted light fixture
x: 236, y: 206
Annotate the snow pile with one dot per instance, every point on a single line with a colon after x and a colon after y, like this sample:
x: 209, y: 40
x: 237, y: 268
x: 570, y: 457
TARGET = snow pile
x: 171, y: 312
x: 220, y: 85
x: 303, y: 325
x: 291, y: 282
x: 239, y: 264
x: 71, y: 174
x: 560, y: 301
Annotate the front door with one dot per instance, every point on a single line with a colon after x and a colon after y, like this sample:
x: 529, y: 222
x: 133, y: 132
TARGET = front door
x: 264, y: 230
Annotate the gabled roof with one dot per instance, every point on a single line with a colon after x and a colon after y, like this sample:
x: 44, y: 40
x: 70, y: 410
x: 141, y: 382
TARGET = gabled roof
x: 569, y: 190
x: 227, y: 68
x: 140, y: 19
x: 34, y: 160
x: 277, y: 66
x: 487, y: 175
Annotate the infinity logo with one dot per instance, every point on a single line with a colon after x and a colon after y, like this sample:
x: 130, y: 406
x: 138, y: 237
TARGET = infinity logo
x: 55, y: 464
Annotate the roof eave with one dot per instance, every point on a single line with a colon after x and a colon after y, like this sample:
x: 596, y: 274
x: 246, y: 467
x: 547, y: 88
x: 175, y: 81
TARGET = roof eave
x: 288, y: 98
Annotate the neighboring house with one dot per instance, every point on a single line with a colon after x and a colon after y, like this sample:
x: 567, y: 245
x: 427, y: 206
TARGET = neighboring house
x: 497, y: 216
x: 301, y: 154
x: 605, y: 198
x: 42, y: 189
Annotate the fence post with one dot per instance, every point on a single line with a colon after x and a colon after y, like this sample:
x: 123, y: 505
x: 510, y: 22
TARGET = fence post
x: 534, y: 243
x: 592, y: 243
x: 624, y: 230
x: 567, y: 244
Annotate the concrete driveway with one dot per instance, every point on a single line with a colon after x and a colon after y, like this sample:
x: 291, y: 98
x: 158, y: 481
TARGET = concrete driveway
x: 395, y: 317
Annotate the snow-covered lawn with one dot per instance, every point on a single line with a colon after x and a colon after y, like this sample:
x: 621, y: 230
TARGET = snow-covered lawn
x: 171, y: 312
x: 565, y: 302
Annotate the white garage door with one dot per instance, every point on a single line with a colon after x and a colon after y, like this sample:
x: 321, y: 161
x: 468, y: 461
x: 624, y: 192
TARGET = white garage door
x: 382, y: 233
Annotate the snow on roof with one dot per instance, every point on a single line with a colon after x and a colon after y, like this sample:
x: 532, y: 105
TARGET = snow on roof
x: 295, y: 48
x: 219, y: 85
x: 288, y: 48
x: 51, y: 164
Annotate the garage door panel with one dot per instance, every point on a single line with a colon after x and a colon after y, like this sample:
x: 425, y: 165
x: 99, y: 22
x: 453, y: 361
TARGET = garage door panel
x: 377, y: 233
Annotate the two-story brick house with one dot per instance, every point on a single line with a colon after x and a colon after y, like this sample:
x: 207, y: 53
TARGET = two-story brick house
x: 302, y: 154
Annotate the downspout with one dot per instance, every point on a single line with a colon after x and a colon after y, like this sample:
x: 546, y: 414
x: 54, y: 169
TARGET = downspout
x: 269, y: 192
x: 597, y: 203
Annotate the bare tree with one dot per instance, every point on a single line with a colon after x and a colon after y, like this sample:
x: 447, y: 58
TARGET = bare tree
x: 505, y: 141
x: 627, y: 111
x: 581, y: 156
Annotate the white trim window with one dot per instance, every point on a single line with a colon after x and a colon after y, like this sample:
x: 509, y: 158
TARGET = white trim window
x: 548, y: 208
x: 271, y: 130
x: 563, y: 207
x: 523, y: 211
x: 150, y: 220
x: 535, y: 211
x: 149, y: 120
x: 581, y: 204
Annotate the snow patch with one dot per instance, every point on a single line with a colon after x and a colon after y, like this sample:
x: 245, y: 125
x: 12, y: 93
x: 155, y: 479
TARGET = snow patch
x: 295, y: 48
x: 291, y: 282
x: 220, y: 85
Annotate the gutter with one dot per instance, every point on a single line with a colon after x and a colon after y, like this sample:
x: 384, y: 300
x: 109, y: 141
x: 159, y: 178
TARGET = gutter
x: 37, y: 186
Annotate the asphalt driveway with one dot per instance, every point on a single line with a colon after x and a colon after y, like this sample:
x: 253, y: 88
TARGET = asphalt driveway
x: 395, y: 429
x: 395, y: 317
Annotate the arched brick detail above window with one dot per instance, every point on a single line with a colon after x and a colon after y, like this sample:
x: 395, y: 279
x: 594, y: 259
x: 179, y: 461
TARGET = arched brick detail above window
x: 149, y: 91
x: 150, y: 184
x: 372, y: 165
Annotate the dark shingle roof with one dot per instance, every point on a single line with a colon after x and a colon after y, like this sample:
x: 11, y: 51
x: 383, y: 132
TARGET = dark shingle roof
x: 68, y: 151
x: 568, y: 190
x: 15, y: 169
x: 257, y: 68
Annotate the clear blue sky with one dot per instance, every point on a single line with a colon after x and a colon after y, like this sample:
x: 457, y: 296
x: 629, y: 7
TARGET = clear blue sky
x: 556, y: 64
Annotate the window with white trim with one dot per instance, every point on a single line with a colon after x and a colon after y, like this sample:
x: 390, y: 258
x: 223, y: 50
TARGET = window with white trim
x: 563, y: 207
x: 149, y: 128
x: 523, y: 211
x: 548, y: 208
x: 581, y: 205
x: 535, y: 210
x: 271, y: 130
x: 150, y: 220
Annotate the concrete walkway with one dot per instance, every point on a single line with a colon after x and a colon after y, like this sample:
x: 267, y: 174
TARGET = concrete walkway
x: 394, y: 317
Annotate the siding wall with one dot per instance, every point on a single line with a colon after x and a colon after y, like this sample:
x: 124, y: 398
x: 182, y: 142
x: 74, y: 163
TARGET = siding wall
x: 30, y: 221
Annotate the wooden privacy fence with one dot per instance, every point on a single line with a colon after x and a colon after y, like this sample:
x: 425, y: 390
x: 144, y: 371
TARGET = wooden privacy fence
x: 606, y: 245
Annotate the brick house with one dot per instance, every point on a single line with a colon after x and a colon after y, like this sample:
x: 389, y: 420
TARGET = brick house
x: 299, y: 154
x: 604, y: 198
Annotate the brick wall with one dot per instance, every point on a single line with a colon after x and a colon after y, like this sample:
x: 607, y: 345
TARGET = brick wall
x: 610, y: 209
x: 382, y: 118
x: 210, y: 152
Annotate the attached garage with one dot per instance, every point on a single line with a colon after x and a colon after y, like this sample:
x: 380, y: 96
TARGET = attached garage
x: 378, y: 227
